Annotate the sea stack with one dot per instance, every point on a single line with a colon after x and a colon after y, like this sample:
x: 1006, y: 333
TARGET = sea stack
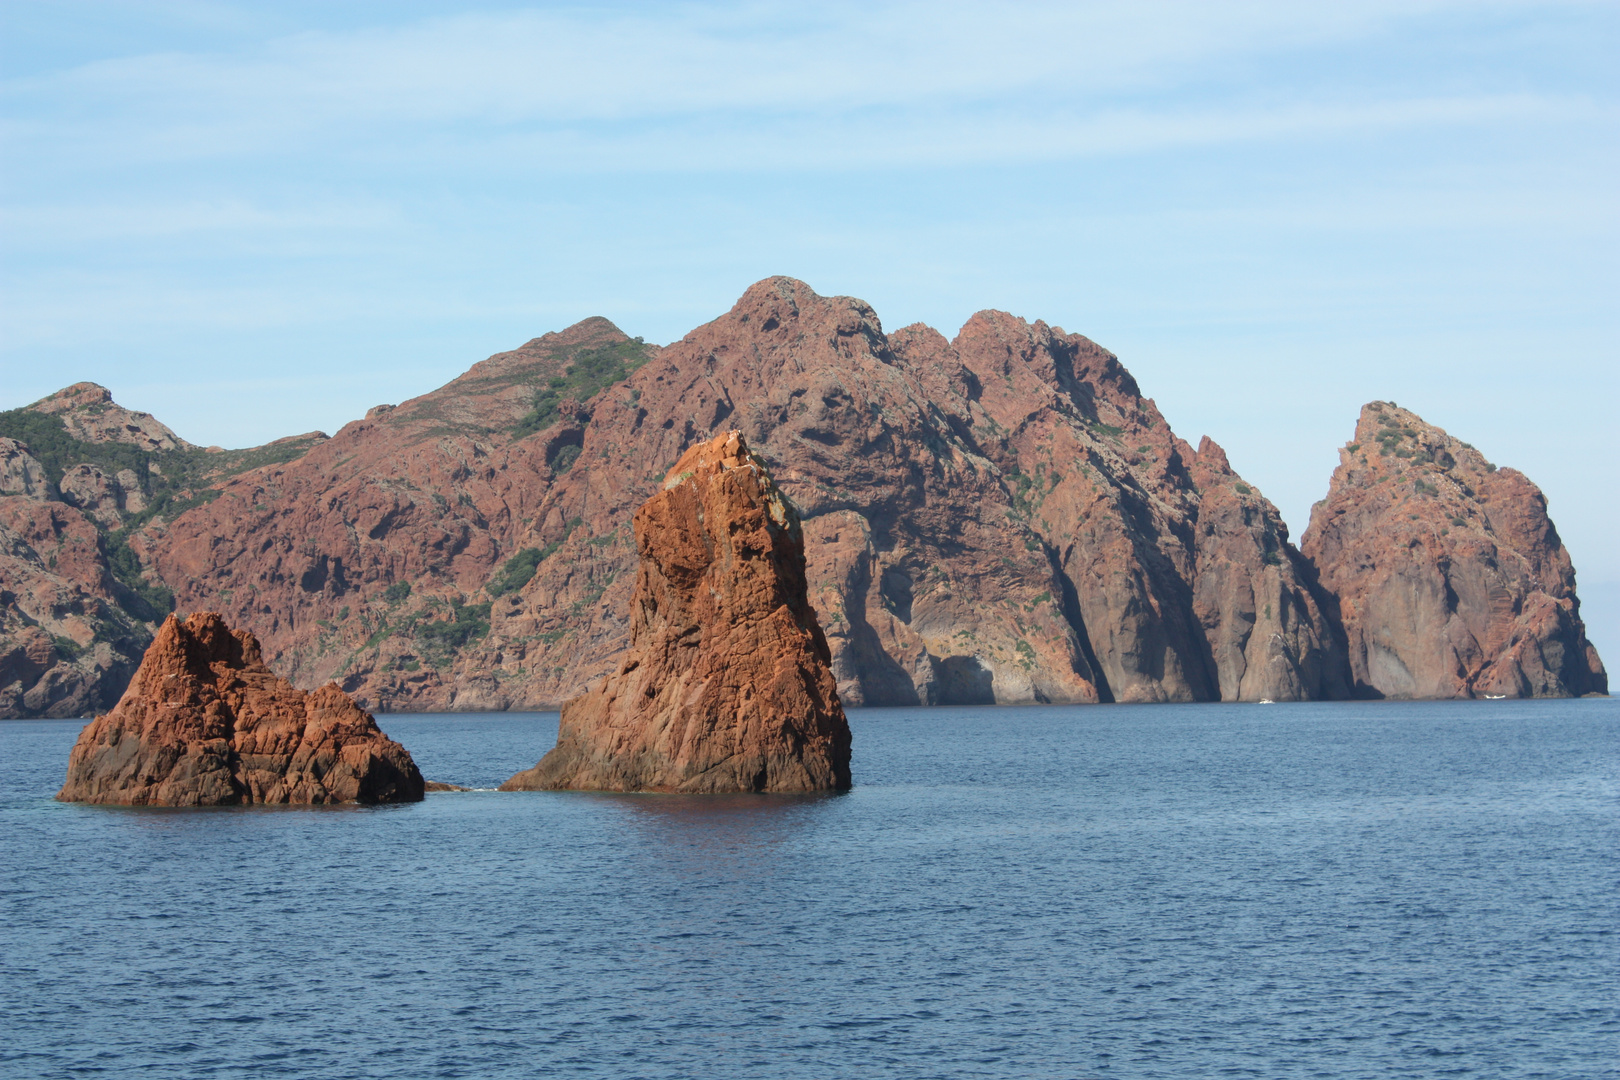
x: 1450, y: 578
x: 727, y: 685
x: 205, y: 723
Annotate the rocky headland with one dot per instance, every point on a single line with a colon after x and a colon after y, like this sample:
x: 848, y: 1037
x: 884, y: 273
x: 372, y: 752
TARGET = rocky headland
x: 994, y: 518
x: 205, y: 723
x: 727, y: 684
x: 1449, y: 577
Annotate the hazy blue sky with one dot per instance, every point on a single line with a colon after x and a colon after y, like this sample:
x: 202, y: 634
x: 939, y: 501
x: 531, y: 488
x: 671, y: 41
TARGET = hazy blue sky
x: 259, y: 219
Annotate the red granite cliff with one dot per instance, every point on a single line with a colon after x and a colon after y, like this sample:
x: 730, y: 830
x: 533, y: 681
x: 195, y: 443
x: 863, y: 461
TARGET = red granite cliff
x: 1450, y: 578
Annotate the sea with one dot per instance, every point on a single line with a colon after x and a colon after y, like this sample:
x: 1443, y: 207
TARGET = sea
x: 1370, y: 889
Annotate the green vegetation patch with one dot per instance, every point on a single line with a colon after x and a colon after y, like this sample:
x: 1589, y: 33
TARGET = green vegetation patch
x: 145, y: 601
x: 517, y: 571
x: 590, y: 372
x: 469, y: 623
x: 184, y: 480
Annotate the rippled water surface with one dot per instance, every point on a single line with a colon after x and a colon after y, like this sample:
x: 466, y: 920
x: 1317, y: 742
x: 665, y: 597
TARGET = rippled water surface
x: 1335, y: 890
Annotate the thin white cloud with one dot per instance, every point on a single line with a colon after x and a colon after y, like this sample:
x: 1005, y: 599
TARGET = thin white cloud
x: 56, y: 225
x: 683, y: 68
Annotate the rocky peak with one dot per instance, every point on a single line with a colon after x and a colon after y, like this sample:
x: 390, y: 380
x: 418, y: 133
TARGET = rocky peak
x: 1450, y: 577
x: 205, y: 723
x: 90, y: 415
x: 727, y: 683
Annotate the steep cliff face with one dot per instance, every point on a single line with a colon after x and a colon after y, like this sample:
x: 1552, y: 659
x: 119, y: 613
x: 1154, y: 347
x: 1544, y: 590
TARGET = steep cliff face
x: 1171, y: 603
x: 727, y: 683
x: 1451, y: 580
x: 67, y: 645
x: 999, y: 518
x: 84, y: 485
x: 205, y: 723
x: 1256, y: 596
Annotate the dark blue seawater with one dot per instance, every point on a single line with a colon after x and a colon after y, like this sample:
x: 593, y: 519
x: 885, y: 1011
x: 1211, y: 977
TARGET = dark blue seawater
x: 1333, y: 890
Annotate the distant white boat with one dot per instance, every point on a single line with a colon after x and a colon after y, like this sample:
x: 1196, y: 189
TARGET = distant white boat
x: 1494, y: 697
x: 1267, y: 701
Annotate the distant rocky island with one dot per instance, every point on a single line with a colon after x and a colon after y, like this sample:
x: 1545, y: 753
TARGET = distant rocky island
x: 998, y: 518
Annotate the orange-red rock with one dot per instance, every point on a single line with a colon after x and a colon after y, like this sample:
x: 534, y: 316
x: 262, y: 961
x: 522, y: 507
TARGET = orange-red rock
x: 1451, y: 580
x: 727, y: 684
x: 205, y: 723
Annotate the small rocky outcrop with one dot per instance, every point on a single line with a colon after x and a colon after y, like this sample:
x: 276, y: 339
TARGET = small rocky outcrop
x: 1450, y: 578
x: 205, y: 723
x: 90, y: 414
x: 727, y: 684
x: 20, y: 472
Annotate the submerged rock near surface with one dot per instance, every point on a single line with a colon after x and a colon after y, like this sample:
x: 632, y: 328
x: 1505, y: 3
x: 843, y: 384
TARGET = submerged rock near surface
x: 205, y: 723
x: 1451, y: 581
x: 727, y: 685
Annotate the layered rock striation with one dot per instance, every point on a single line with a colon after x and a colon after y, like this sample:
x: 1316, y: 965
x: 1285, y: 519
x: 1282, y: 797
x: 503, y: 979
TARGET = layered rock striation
x: 205, y: 723
x: 1449, y: 577
x: 727, y: 684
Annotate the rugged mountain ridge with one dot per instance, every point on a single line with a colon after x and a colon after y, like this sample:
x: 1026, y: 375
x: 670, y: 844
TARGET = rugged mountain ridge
x: 999, y: 517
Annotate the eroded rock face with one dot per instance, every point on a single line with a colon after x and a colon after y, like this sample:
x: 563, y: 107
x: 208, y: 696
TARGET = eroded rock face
x: 20, y: 472
x: 67, y: 646
x: 727, y: 684
x: 104, y: 498
x: 1265, y: 623
x: 205, y: 723
x: 1451, y: 579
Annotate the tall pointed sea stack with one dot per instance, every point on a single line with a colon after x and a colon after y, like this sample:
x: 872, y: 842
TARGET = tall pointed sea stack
x: 206, y: 723
x: 1451, y: 580
x: 728, y: 683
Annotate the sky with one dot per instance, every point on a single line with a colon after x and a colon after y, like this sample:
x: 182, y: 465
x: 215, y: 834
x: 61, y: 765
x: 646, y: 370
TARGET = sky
x: 254, y: 220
